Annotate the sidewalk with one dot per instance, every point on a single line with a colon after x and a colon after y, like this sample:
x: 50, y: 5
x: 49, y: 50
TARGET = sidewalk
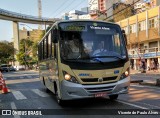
x: 151, y: 73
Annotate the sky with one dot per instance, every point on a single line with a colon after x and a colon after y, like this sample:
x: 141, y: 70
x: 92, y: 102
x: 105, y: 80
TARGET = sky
x: 50, y: 9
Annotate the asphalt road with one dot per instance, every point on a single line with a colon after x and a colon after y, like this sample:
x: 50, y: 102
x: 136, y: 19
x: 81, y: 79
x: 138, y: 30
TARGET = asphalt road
x: 27, y: 92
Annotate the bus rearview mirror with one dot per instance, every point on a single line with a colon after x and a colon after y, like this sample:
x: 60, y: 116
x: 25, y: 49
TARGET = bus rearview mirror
x: 125, y: 36
x: 55, y: 39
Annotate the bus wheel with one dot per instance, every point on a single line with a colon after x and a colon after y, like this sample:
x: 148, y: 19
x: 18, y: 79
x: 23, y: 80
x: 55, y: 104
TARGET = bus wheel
x: 113, y: 97
x: 59, y: 101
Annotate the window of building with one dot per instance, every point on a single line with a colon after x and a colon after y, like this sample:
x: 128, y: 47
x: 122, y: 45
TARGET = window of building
x: 142, y: 48
x: 133, y: 28
x: 153, y: 22
x: 153, y: 46
x: 142, y: 26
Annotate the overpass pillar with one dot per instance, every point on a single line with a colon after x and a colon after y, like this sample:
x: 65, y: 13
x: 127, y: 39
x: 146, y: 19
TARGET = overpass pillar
x: 16, y: 40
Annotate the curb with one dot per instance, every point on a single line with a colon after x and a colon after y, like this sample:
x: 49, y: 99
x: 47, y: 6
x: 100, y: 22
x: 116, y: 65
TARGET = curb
x: 136, y: 81
x: 150, y: 84
x: 144, y: 82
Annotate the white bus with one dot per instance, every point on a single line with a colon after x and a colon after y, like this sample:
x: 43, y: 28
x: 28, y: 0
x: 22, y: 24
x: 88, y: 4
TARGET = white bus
x: 84, y: 59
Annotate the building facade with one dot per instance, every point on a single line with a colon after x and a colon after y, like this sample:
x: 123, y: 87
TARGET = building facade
x: 101, y: 7
x: 75, y: 14
x: 93, y: 8
x: 143, y: 37
x: 34, y: 35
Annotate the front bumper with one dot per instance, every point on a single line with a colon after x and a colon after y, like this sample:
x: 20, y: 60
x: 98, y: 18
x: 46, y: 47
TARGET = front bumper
x: 71, y: 91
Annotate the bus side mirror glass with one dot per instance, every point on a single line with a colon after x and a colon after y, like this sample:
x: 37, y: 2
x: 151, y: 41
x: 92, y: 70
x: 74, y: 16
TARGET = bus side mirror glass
x: 125, y: 37
x: 54, y: 36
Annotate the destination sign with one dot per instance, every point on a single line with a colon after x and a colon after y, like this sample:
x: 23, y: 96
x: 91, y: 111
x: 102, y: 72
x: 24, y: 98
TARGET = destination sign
x: 75, y: 28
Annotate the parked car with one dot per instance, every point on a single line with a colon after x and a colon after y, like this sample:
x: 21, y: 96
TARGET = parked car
x: 5, y: 69
x: 12, y: 68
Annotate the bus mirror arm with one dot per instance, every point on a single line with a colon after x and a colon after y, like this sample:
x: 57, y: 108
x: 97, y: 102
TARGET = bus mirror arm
x: 55, y: 40
x: 125, y: 37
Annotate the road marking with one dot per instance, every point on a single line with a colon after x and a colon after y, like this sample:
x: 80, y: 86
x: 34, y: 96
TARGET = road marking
x: 131, y: 104
x: 22, y: 81
x: 13, y: 106
x: 18, y: 95
x: 156, y: 107
x: 40, y: 93
x: 145, y: 86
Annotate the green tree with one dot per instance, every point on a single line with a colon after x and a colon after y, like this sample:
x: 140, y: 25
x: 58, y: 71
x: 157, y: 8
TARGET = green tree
x: 6, y: 52
x: 24, y: 55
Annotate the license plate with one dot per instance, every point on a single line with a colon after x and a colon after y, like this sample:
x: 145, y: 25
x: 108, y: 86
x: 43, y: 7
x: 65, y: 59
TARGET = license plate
x: 100, y: 95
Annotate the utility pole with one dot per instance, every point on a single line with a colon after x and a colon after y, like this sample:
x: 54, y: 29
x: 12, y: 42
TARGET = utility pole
x: 40, y: 12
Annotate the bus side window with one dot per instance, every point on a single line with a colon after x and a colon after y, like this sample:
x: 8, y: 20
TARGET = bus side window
x: 49, y: 46
x: 54, y: 35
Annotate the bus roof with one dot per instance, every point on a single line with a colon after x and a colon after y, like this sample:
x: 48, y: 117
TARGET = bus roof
x: 82, y: 20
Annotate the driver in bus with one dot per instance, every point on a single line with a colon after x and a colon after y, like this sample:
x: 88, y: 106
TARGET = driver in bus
x: 100, y: 48
x: 73, y: 45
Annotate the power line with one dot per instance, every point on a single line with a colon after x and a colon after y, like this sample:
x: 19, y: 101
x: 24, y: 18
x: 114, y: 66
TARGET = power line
x: 60, y: 7
x: 64, y: 8
x: 73, y: 7
x: 77, y: 5
x: 122, y: 10
x: 109, y: 8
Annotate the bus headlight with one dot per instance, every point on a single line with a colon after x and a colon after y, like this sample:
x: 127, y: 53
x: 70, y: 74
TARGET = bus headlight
x: 69, y: 78
x: 125, y: 74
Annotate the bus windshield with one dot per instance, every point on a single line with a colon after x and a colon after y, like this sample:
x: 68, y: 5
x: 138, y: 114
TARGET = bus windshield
x: 89, y: 40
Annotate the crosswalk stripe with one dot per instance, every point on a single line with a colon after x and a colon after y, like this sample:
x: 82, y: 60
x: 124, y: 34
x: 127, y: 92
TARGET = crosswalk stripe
x: 40, y: 93
x: 13, y: 106
x: 18, y: 95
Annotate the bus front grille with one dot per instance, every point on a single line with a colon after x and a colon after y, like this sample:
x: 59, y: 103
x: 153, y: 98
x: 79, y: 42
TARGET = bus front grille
x: 105, y: 79
x: 100, y: 89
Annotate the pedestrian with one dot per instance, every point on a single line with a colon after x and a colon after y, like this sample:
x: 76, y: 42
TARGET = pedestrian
x: 152, y: 65
x: 143, y: 66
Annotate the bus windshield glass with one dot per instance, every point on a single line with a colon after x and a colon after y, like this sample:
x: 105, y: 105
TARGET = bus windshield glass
x: 89, y: 40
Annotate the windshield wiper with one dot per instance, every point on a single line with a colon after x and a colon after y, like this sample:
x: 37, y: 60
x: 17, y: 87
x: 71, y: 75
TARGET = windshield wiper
x: 96, y: 59
x: 108, y: 56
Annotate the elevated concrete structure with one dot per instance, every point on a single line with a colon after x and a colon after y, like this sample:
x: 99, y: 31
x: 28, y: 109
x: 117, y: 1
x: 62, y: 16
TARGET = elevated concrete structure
x: 17, y: 17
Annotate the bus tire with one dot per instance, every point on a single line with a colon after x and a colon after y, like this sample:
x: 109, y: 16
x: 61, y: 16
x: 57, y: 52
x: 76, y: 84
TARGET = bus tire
x: 113, y: 97
x: 60, y: 101
x: 46, y: 89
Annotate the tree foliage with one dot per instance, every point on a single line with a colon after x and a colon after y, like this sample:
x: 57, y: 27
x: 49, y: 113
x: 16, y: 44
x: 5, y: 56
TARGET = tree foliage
x: 24, y: 56
x: 6, y: 51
